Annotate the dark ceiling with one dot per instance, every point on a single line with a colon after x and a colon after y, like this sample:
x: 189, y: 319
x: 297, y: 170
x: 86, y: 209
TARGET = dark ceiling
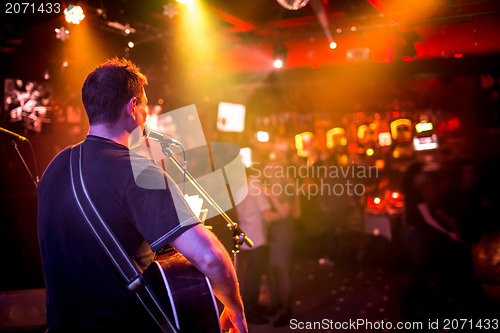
x: 249, y: 29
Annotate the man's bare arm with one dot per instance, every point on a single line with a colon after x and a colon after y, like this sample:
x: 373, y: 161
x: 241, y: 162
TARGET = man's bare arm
x: 208, y: 255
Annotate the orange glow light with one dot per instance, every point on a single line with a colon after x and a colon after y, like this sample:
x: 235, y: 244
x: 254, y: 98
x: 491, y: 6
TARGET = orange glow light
x: 74, y: 14
x: 262, y: 136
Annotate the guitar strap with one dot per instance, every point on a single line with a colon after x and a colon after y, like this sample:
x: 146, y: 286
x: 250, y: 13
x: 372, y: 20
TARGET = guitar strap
x: 110, y: 244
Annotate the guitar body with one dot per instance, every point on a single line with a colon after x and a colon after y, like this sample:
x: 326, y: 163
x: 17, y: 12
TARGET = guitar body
x: 184, y: 292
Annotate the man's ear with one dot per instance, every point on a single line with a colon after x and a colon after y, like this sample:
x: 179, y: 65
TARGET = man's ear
x: 131, y: 106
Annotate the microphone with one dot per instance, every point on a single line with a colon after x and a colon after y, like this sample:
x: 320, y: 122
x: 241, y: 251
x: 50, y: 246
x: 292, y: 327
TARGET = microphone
x: 162, y: 138
x: 17, y: 136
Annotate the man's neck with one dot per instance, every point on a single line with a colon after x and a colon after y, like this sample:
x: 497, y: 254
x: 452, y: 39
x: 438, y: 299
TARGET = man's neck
x: 118, y: 135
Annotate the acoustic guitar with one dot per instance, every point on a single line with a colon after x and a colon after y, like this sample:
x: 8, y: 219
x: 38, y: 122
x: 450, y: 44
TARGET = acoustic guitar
x: 184, y: 292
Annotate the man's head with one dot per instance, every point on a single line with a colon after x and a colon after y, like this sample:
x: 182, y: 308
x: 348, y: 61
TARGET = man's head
x: 110, y: 88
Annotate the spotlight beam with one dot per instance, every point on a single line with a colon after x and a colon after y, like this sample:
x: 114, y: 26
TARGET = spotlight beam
x: 239, y: 24
x: 318, y: 7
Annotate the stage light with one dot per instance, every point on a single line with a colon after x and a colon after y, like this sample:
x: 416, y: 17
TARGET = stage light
x: 423, y: 127
x: 62, y: 33
x: 246, y: 156
x: 131, y: 44
x: 333, y: 45
x: 402, y: 128
x: 425, y: 143
x: 369, y: 152
x: 74, y: 14
x: 127, y: 31
x: 377, y: 200
x: 186, y: 2
x: 262, y: 136
x: 65, y: 64
x: 293, y: 5
x: 384, y: 139
x: 344, y: 159
x: 335, y: 135
x: 280, y: 55
x: 231, y: 117
x: 380, y: 164
x: 303, y: 143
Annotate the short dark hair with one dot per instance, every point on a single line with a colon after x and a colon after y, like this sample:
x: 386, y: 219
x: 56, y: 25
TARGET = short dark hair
x: 109, y: 88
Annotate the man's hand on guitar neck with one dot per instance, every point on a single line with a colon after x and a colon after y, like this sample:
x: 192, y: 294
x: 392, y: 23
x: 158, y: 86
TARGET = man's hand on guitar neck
x: 202, y: 248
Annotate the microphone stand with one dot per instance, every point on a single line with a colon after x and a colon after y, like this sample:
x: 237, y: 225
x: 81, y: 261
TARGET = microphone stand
x: 33, y: 179
x: 239, y: 237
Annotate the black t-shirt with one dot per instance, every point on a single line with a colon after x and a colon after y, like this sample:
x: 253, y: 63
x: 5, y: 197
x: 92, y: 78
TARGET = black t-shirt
x: 142, y: 206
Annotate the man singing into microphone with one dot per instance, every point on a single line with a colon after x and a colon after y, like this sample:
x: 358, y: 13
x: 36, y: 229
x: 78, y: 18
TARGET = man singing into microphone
x: 85, y: 292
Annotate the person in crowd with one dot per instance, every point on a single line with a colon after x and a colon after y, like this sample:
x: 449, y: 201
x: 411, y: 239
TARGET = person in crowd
x: 334, y: 207
x: 418, y: 237
x: 462, y: 208
x: 284, y: 201
x: 85, y: 292
x: 254, y: 214
x: 442, y: 221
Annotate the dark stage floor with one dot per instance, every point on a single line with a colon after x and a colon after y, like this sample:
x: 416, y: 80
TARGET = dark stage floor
x: 342, y: 294
x: 336, y: 295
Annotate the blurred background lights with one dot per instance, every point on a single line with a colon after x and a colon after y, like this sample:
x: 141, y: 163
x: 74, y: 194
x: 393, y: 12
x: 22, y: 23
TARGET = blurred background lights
x: 280, y: 55
x: 262, y: 136
x: 246, y: 156
x: 62, y: 33
x: 131, y: 44
x: 74, y: 14
x: 333, y: 45
x: 423, y: 127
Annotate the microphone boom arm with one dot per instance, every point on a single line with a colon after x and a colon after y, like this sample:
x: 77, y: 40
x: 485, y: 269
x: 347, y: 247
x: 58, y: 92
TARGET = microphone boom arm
x: 239, y: 236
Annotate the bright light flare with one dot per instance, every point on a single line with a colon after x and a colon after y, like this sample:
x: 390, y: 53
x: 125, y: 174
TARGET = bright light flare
x: 262, y: 136
x: 246, y: 156
x: 424, y: 127
x: 185, y: 2
x: 369, y: 152
x: 278, y: 63
x: 377, y: 200
x: 380, y: 164
x: 131, y: 44
x: 333, y: 45
x: 74, y: 14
